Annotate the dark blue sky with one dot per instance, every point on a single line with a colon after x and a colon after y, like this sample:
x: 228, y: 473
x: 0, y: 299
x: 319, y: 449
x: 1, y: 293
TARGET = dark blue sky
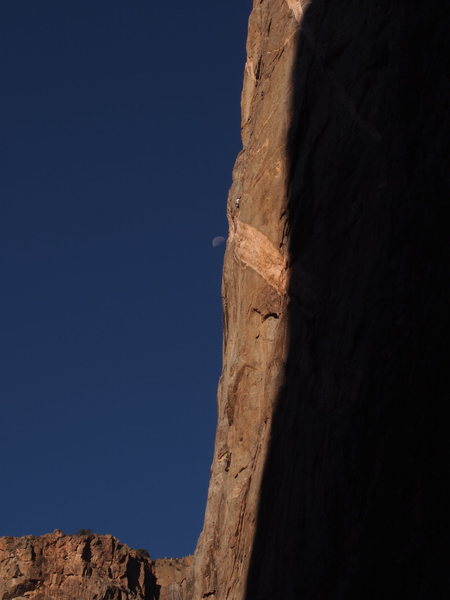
x: 119, y: 129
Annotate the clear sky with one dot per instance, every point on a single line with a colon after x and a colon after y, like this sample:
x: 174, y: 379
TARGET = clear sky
x: 119, y: 129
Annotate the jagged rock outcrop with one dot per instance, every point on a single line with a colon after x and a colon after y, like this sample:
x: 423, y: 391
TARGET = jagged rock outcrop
x: 87, y: 567
x: 74, y: 567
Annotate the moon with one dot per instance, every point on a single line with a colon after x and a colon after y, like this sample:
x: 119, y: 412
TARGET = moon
x: 217, y: 241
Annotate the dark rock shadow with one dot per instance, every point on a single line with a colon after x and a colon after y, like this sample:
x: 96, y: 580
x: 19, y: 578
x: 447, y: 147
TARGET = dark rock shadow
x: 354, y: 501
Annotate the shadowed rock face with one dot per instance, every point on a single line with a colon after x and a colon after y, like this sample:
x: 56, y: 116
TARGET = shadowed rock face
x: 331, y: 454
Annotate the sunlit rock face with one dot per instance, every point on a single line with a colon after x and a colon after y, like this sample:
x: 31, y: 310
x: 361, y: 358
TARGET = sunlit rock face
x: 330, y: 466
x: 173, y: 577
x: 87, y: 567
x: 74, y: 567
x: 255, y: 298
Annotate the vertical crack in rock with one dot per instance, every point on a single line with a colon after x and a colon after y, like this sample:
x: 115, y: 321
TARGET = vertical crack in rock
x: 86, y: 553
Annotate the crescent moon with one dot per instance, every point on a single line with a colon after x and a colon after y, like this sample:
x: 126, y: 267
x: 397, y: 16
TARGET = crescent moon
x: 217, y: 241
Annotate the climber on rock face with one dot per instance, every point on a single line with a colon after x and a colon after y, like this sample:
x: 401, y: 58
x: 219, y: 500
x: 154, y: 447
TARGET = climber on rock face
x: 237, y: 202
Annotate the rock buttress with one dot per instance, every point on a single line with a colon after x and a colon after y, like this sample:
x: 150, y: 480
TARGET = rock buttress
x: 254, y: 304
x: 331, y: 462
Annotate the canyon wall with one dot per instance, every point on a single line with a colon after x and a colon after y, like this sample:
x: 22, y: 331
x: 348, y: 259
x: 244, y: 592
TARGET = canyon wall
x: 254, y: 293
x: 254, y: 297
x: 331, y: 456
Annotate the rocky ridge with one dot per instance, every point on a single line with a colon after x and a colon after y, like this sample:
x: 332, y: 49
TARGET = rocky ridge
x: 63, y: 567
x: 86, y: 567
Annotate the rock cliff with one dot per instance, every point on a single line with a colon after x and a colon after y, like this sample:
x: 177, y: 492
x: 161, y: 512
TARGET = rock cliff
x: 328, y: 480
x: 74, y: 567
x: 331, y: 458
x: 86, y: 567
x: 254, y: 304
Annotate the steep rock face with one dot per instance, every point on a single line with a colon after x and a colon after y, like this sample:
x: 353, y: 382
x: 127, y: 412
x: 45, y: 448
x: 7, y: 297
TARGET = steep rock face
x: 254, y: 304
x: 328, y: 480
x: 331, y: 458
x: 65, y: 567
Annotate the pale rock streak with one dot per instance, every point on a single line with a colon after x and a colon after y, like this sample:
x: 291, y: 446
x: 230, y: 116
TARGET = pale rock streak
x: 256, y: 251
x: 296, y: 8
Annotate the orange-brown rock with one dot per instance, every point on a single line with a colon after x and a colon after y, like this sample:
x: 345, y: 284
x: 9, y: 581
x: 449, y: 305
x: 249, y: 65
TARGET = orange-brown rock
x: 74, y: 567
x: 254, y: 291
x: 173, y: 577
x: 330, y: 472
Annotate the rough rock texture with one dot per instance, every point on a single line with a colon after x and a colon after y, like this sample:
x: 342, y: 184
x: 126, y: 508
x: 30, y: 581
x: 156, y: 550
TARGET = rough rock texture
x: 87, y: 567
x: 331, y: 463
x: 254, y: 304
x: 331, y: 458
x: 173, y: 576
x: 79, y: 567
